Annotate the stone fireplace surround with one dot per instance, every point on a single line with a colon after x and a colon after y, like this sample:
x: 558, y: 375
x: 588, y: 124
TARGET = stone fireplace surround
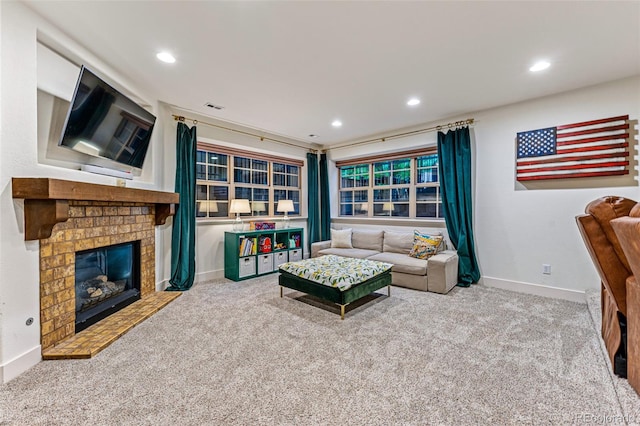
x: 71, y: 216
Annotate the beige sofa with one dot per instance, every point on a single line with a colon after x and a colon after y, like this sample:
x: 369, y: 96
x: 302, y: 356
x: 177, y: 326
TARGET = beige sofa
x: 437, y: 274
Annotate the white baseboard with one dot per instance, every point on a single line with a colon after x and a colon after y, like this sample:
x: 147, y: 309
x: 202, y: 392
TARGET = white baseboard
x: 209, y: 275
x: 20, y: 364
x: 536, y: 289
x: 199, y: 278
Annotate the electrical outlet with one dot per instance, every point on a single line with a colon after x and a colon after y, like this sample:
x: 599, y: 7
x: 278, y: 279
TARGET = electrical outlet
x: 546, y: 269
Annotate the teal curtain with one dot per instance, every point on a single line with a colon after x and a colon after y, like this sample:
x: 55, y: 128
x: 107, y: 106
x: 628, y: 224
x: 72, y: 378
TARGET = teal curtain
x: 454, y: 166
x: 183, y: 237
x: 313, y: 197
x: 325, y: 206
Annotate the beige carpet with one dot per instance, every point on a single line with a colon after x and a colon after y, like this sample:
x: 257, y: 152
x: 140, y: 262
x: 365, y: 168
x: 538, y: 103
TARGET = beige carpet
x: 230, y: 353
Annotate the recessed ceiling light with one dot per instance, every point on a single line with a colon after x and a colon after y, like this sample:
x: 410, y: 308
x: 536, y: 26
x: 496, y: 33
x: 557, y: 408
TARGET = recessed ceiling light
x: 336, y: 123
x: 539, y: 66
x: 313, y: 135
x: 413, y: 102
x: 166, y: 57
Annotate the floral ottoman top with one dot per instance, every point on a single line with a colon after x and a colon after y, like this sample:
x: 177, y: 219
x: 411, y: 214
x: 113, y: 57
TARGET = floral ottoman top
x: 336, y: 271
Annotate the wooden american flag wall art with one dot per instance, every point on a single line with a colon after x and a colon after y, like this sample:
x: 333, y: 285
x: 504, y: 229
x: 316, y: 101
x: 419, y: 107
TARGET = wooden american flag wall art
x: 587, y: 149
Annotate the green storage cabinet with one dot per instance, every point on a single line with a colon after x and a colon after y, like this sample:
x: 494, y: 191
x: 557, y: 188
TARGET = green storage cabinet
x: 252, y: 253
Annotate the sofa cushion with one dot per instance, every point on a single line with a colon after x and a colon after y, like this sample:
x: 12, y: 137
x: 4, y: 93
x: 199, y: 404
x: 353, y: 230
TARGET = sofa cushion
x: 369, y: 240
x: 425, y: 245
x: 398, y: 242
x: 353, y: 252
x: 341, y: 238
x: 402, y: 263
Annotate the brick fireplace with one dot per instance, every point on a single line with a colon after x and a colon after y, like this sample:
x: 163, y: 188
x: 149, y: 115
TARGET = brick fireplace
x: 69, y: 217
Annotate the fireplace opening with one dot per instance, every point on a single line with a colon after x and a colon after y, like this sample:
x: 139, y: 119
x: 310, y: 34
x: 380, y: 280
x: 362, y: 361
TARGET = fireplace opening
x: 107, y: 279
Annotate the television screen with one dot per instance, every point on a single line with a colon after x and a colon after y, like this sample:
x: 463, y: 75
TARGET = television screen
x: 103, y: 122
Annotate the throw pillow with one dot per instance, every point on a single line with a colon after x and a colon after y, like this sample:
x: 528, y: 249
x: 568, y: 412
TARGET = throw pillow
x: 341, y: 238
x: 424, y: 245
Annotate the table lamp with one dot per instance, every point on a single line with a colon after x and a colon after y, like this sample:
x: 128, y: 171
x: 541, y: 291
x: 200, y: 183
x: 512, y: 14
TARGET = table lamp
x: 285, y: 206
x: 239, y: 206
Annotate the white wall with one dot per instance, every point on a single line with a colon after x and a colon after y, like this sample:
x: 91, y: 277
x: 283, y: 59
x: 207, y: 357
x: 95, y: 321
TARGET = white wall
x: 19, y: 259
x: 518, y: 228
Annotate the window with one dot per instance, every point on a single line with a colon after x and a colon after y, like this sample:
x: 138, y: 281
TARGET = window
x: 403, y: 185
x: 223, y: 174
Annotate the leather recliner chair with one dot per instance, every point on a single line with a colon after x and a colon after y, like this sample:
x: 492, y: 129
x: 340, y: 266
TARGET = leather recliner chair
x: 614, y: 269
x: 628, y: 231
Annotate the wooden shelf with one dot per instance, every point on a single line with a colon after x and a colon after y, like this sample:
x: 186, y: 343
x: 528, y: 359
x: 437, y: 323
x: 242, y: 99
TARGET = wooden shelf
x: 47, y: 201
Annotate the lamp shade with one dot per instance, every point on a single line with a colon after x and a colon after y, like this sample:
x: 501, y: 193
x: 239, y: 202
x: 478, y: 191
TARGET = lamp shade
x: 387, y: 207
x: 205, y: 206
x: 240, y: 206
x: 285, y: 206
x: 364, y: 207
x: 258, y: 206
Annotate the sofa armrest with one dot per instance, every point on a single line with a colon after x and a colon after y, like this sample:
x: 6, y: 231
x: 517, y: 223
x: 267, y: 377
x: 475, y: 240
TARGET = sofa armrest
x: 442, y: 271
x: 319, y: 245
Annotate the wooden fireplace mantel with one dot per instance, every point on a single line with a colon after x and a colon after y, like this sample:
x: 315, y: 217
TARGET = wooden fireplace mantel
x: 46, y: 201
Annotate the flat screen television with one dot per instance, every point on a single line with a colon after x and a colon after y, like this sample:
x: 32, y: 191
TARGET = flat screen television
x: 102, y: 122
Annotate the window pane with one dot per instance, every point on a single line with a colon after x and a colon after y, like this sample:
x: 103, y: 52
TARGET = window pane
x: 259, y: 178
x: 219, y: 193
x: 400, y: 210
x: 382, y: 178
x: 428, y: 175
x: 241, y: 176
x: 381, y: 195
x: 279, y: 168
x: 426, y: 210
x: 218, y: 174
x: 259, y: 165
x: 429, y: 193
x: 346, y: 196
x: 427, y: 161
x: 260, y: 194
x: 382, y: 209
x: 361, y: 209
x: 292, y: 181
x: 295, y: 196
x: 347, y: 182
x: 200, y: 172
x: 279, y: 180
x: 400, y: 194
x: 404, y: 164
x: 201, y: 156
x: 360, y: 196
x: 244, y: 193
x: 218, y: 159
x: 279, y: 194
x: 346, y: 210
x: 245, y: 163
x: 292, y: 170
x: 382, y: 166
x: 201, y: 192
x: 402, y: 177
x: 427, y: 168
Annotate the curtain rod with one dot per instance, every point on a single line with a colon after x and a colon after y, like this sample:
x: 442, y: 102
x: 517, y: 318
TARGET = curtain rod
x: 182, y: 118
x: 405, y: 134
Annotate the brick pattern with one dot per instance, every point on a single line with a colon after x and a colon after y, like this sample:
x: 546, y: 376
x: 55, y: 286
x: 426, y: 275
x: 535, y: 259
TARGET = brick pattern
x: 91, y: 224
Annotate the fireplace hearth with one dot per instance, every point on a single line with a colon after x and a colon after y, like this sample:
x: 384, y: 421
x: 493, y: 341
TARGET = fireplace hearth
x: 71, y: 217
x: 107, y: 279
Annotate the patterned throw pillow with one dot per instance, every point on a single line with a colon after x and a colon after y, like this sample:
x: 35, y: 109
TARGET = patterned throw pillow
x: 425, y: 246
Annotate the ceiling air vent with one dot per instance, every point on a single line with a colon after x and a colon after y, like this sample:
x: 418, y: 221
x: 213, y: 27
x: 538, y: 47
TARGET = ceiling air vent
x: 210, y: 105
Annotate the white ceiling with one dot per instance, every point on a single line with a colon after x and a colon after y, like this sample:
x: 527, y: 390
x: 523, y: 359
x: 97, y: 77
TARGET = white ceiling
x: 291, y: 68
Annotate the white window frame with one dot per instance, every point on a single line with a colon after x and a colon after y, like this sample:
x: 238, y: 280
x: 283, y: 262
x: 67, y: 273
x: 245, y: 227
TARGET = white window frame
x: 293, y: 184
x: 359, y: 202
